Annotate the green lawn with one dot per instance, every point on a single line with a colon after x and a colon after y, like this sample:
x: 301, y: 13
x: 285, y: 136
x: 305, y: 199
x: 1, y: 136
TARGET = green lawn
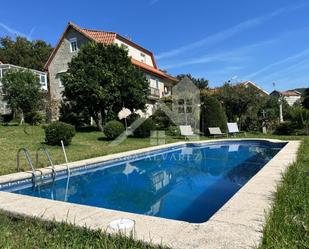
x: 34, y: 234
x: 287, y: 225
x: 85, y: 145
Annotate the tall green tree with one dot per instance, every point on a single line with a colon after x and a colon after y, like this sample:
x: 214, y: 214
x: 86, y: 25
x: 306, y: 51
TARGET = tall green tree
x: 101, y: 80
x: 201, y: 83
x: 22, y: 91
x: 24, y: 53
x: 238, y: 100
x: 212, y: 114
x: 306, y: 99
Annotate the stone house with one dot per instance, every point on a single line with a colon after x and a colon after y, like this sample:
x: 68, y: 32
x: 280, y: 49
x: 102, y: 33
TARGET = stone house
x: 160, y: 83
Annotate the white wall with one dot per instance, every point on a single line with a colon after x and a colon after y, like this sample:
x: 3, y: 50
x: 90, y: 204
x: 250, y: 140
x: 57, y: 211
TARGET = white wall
x: 136, y: 53
x: 161, y: 84
x: 291, y: 99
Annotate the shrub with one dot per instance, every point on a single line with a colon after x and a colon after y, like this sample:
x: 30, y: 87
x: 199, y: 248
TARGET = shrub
x: 161, y: 120
x: 57, y: 131
x: 144, y: 129
x: 212, y: 115
x: 6, y: 118
x: 34, y: 118
x: 113, y: 129
x: 174, y: 131
x: 285, y: 128
x: 71, y: 115
x: 132, y: 118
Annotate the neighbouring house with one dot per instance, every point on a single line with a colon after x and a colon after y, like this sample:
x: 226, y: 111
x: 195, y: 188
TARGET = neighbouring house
x: 4, y: 108
x: 255, y: 86
x: 160, y: 83
x: 291, y: 96
x: 246, y: 84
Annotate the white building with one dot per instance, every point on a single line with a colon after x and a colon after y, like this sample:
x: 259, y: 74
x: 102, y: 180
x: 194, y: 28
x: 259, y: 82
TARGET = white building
x: 291, y: 96
x: 160, y: 83
x: 4, y: 109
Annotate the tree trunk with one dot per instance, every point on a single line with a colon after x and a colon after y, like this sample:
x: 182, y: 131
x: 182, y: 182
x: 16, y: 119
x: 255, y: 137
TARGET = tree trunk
x: 98, y: 120
x: 22, y: 119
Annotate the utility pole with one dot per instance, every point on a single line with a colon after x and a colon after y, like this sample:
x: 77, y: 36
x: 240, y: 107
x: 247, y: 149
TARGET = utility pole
x: 281, y: 109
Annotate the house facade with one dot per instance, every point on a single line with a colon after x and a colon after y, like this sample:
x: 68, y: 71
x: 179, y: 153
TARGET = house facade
x: 291, y: 96
x: 160, y: 83
x: 4, y: 108
x: 246, y: 84
x: 260, y: 90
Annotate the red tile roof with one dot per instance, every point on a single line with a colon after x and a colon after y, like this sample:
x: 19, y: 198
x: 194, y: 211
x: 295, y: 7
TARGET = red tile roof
x: 290, y: 93
x: 109, y: 38
x: 153, y: 70
x: 100, y: 36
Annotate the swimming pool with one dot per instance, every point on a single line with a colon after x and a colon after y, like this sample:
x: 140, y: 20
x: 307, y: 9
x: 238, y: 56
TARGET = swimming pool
x: 188, y: 182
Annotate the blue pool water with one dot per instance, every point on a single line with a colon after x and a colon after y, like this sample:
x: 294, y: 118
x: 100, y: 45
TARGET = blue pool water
x: 188, y: 183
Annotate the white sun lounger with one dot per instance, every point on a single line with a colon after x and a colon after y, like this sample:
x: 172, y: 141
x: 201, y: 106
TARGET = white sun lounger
x: 233, y: 128
x: 186, y: 130
x: 216, y: 132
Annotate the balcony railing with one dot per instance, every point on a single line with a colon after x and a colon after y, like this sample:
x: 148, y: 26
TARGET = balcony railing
x: 154, y: 92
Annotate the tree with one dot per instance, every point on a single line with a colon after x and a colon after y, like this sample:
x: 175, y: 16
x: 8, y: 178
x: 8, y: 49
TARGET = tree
x: 201, y: 83
x: 238, y: 101
x: 22, y: 91
x: 101, y: 80
x: 306, y: 99
x: 24, y: 53
x: 212, y: 114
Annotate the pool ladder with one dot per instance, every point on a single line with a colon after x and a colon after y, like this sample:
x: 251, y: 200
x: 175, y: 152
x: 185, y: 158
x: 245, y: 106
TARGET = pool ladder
x: 40, y: 179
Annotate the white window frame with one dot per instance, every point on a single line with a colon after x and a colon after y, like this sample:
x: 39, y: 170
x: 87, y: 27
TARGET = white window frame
x: 157, y: 83
x: 143, y: 58
x: 73, y: 40
x: 43, y: 83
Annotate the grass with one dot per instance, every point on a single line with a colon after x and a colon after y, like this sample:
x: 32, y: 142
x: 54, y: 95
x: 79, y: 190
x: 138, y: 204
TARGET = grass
x: 84, y: 145
x: 33, y: 234
x: 287, y: 225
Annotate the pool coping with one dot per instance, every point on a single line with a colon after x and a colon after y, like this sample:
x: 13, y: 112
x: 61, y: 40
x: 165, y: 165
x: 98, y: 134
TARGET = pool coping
x: 237, y: 224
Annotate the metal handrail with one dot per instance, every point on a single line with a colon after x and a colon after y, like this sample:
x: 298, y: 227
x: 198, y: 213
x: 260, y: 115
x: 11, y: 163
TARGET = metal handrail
x: 27, y: 155
x: 66, y: 158
x: 48, y: 158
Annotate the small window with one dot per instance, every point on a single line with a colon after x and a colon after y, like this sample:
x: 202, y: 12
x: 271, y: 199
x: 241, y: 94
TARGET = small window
x: 157, y: 83
x: 60, y: 82
x: 59, y: 77
x: 42, y: 79
x: 143, y: 58
x: 73, y: 43
x: 125, y: 46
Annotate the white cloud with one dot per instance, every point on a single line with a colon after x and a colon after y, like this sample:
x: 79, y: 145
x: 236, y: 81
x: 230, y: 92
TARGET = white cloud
x: 152, y: 2
x: 296, y: 57
x: 225, y: 34
x: 237, y: 55
x: 15, y: 32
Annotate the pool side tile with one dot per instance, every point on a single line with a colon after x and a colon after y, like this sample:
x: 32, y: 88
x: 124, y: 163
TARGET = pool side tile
x: 218, y: 235
x: 245, y: 209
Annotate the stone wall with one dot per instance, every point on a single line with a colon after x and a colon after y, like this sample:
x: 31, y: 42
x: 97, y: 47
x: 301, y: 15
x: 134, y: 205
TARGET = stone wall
x: 57, y: 67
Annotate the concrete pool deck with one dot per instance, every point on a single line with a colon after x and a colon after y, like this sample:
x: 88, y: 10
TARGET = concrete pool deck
x: 237, y: 224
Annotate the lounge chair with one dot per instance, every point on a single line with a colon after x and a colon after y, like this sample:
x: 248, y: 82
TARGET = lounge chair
x: 216, y: 132
x: 186, y: 130
x: 233, y: 129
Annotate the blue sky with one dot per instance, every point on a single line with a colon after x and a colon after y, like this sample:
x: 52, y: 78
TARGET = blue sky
x: 264, y: 41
